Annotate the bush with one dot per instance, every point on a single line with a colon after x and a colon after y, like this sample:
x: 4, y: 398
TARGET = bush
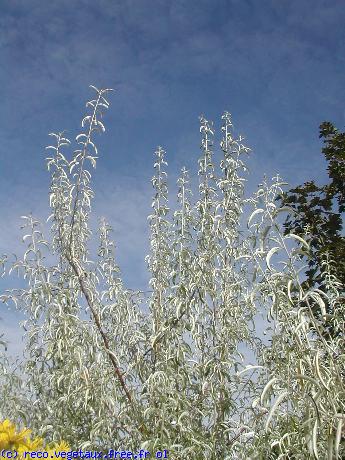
x: 166, y: 371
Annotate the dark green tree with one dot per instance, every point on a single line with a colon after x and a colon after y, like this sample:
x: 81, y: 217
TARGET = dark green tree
x: 319, y: 212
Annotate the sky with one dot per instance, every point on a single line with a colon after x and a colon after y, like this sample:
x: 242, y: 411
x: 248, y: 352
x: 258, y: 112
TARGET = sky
x: 277, y: 66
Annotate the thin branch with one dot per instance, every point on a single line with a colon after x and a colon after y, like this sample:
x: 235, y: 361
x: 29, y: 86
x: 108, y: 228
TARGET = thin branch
x: 80, y: 275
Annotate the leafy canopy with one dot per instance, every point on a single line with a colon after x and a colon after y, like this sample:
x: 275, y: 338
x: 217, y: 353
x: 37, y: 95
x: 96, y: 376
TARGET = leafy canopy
x: 318, y: 211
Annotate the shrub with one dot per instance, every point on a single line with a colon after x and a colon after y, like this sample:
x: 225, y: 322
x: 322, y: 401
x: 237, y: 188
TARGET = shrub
x: 166, y: 371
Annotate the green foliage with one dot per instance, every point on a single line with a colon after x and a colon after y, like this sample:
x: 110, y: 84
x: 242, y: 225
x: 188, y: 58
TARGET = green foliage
x: 318, y: 211
x: 106, y: 366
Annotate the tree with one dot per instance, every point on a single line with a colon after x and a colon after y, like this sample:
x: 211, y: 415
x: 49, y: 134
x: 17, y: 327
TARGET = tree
x: 318, y: 211
x: 174, y: 378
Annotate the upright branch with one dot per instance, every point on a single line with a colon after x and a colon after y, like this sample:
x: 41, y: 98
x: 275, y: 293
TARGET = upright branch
x: 158, y: 261
x: 73, y: 247
x: 82, y: 191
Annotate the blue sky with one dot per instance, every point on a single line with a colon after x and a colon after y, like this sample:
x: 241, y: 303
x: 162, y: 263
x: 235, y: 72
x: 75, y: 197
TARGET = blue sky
x: 277, y: 66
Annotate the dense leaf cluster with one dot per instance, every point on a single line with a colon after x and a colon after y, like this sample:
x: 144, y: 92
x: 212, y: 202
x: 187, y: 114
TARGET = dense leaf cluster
x: 319, y: 211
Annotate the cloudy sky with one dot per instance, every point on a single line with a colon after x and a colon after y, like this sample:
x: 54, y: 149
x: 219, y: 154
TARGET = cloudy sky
x: 277, y: 66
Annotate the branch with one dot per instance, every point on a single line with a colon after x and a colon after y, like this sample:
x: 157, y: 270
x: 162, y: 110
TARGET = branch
x: 80, y: 275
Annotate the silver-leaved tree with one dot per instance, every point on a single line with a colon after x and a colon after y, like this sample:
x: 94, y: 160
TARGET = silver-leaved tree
x: 106, y: 367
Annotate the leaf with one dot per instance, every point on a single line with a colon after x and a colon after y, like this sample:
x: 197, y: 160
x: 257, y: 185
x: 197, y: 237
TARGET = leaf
x: 314, y: 439
x: 289, y: 291
x: 318, y: 371
x: 338, y: 437
x: 178, y: 309
x: 255, y: 213
x: 94, y: 147
x: 270, y: 254
x: 266, y: 389
x: 249, y: 368
x: 79, y: 136
x: 308, y: 379
x: 156, y: 339
x: 99, y: 123
x: 87, y: 118
x: 274, y: 408
x: 298, y: 238
x: 94, y: 87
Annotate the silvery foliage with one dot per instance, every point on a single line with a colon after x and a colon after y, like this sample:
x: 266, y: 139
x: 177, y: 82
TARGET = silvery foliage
x: 99, y: 372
